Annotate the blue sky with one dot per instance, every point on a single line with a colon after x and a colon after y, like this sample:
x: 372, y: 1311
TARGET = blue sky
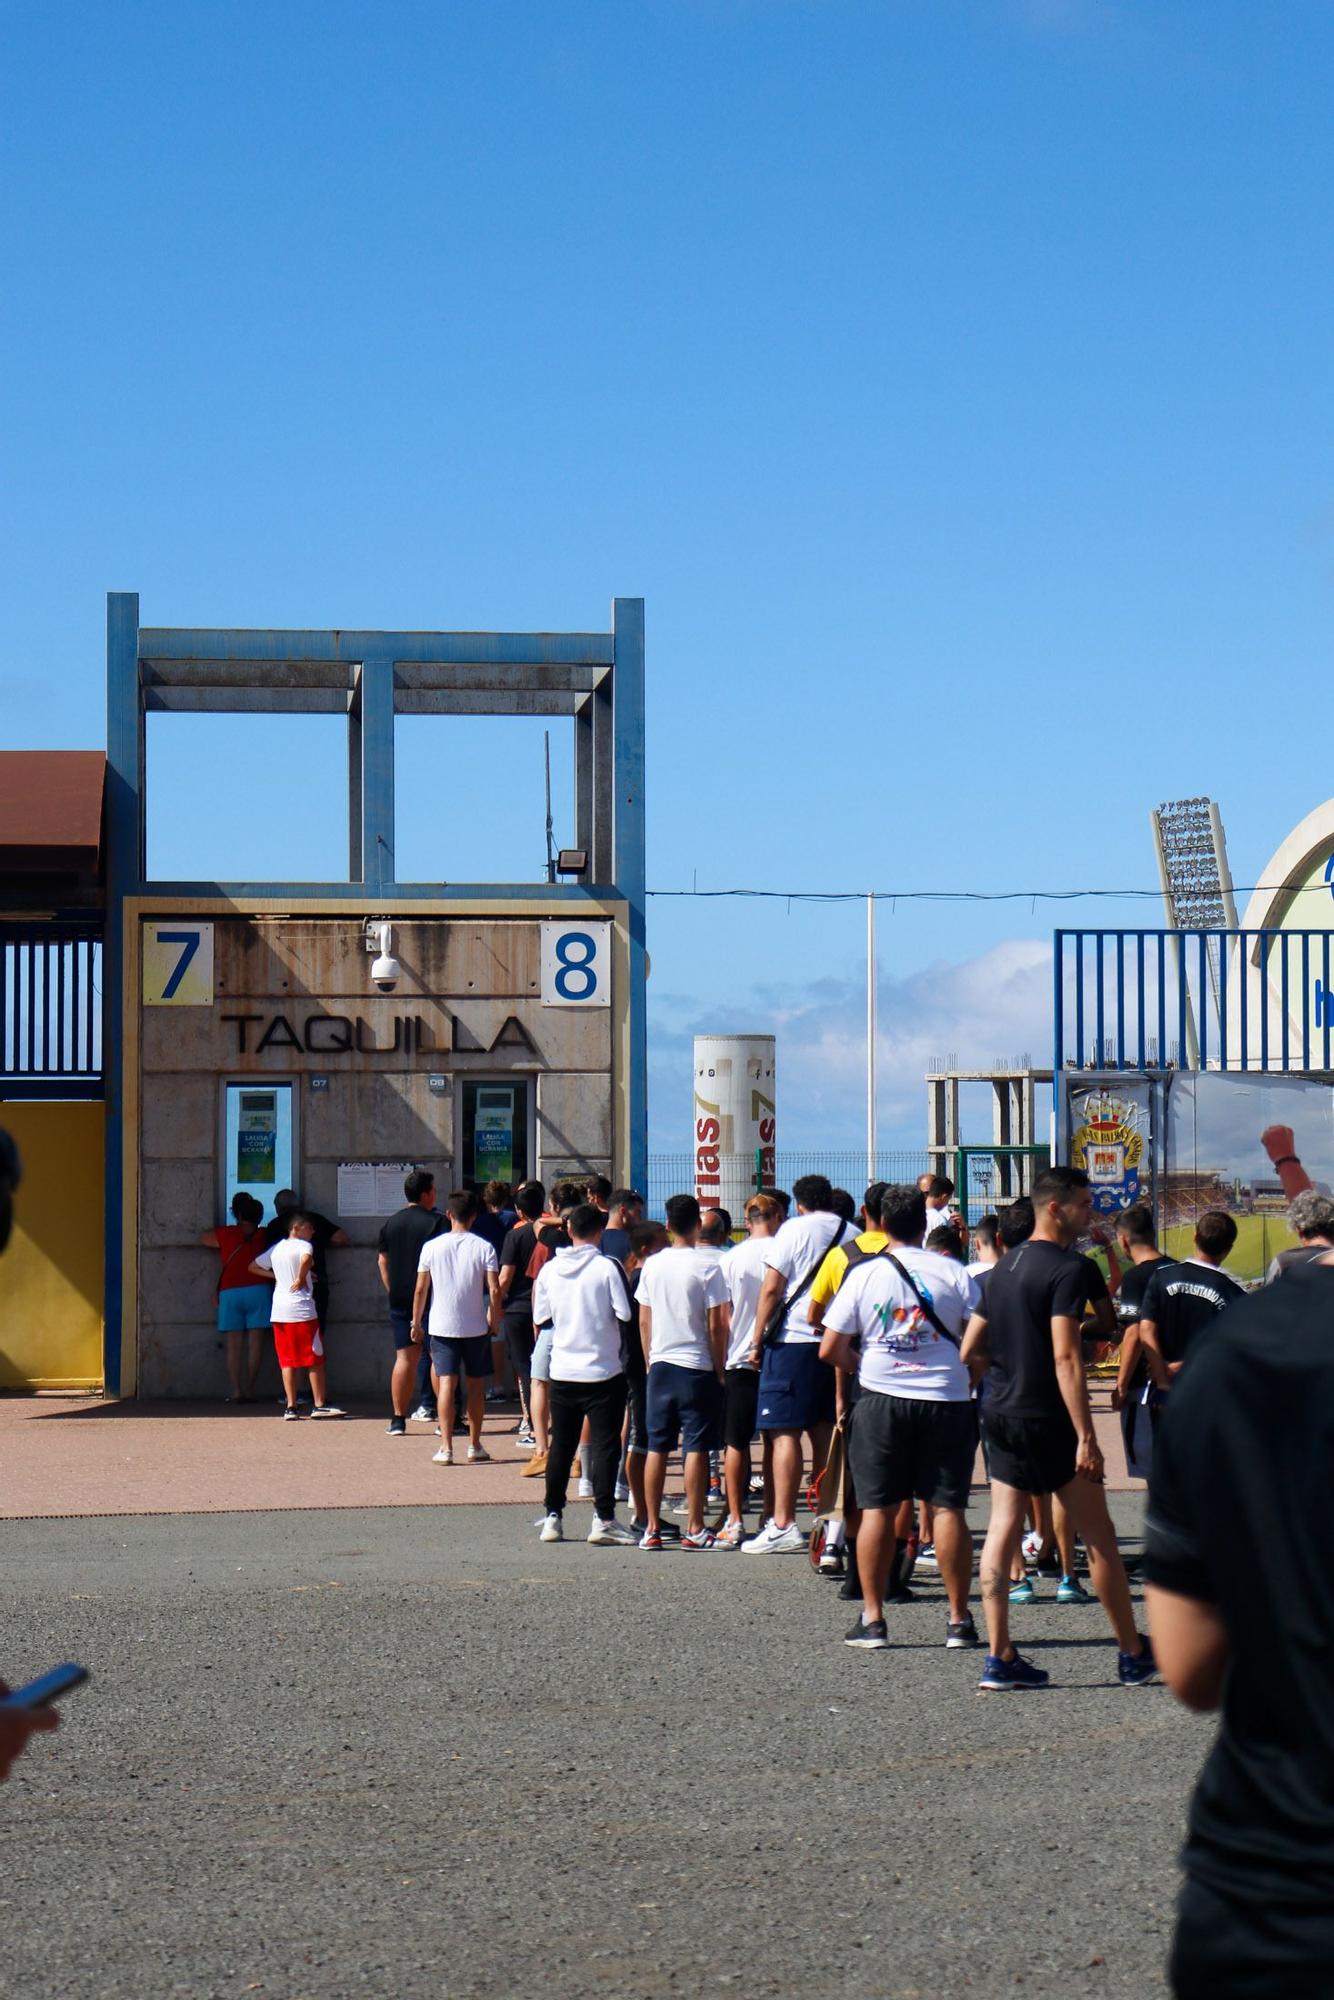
x: 950, y: 379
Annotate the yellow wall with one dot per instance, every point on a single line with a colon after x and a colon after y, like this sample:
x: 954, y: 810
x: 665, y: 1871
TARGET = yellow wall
x: 51, y: 1275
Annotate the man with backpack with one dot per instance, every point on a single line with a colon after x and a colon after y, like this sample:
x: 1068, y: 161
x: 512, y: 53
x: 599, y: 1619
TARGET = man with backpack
x: 898, y: 1320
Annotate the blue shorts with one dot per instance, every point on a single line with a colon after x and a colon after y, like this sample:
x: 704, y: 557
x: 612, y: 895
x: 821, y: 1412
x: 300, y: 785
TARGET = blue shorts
x: 684, y: 1404
x: 243, y: 1308
x: 473, y: 1355
x: 796, y: 1387
x: 540, y: 1371
x: 400, y: 1323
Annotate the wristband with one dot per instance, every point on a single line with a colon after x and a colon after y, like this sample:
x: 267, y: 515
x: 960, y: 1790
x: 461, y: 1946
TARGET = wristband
x: 1288, y: 1160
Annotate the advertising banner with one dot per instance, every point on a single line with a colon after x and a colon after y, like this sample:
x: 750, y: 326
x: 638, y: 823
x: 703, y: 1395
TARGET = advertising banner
x: 257, y: 1139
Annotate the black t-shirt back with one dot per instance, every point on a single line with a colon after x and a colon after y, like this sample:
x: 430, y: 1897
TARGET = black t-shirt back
x: 516, y: 1250
x: 1245, y: 1443
x: 1027, y: 1290
x: 1129, y: 1303
x: 401, y: 1241
x: 1182, y: 1299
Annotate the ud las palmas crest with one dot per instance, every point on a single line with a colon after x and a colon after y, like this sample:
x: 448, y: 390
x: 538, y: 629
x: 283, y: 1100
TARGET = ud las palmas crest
x: 1109, y: 1145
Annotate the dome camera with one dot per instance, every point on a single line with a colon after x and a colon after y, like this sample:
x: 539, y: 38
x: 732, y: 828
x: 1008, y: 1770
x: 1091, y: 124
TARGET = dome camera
x: 385, y: 969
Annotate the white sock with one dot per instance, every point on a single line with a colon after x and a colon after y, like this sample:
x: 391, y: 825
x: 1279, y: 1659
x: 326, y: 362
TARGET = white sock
x: 585, y: 1460
x: 836, y: 1535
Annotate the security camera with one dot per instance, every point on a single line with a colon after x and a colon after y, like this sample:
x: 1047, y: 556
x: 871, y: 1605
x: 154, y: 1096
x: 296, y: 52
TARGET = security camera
x: 386, y: 970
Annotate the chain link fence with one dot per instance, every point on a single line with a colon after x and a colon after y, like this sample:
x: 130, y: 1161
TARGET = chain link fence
x: 992, y: 1179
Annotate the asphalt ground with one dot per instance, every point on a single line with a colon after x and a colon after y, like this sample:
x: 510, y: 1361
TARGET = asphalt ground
x: 413, y: 1751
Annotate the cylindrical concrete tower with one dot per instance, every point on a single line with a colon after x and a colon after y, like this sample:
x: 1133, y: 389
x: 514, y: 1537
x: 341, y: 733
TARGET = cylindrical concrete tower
x: 734, y: 1118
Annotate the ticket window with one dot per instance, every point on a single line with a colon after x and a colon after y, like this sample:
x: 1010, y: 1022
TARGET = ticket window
x: 495, y: 1132
x: 258, y: 1142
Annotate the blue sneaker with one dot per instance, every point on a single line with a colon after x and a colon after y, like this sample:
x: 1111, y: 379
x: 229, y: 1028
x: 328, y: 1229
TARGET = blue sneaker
x: 1135, y: 1670
x: 1006, y: 1676
x: 1071, y: 1591
x: 1023, y: 1593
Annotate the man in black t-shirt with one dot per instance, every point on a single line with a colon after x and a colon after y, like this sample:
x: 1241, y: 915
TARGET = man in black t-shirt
x: 1244, y: 1616
x: 1138, y: 1241
x: 1182, y: 1300
x: 1039, y: 1427
x: 516, y: 1295
x: 401, y: 1241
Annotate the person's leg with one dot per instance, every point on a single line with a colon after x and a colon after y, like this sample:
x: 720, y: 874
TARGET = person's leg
x: 476, y: 1409
x: 736, y: 1481
x: 289, y: 1376
x: 787, y: 1461
x: 446, y: 1391
x: 540, y: 1405
x: 1065, y: 1535
x: 606, y: 1408
x: 954, y: 1553
x: 766, y: 1476
x: 655, y: 1479
x: 426, y: 1391
x: 566, y: 1415
x: 1009, y: 1506
x: 1086, y: 1506
x: 405, y: 1363
x: 875, y: 1553
x: 819, y: 1434
x: 234, y: 1339
x: 316, y: 1373
x: 697, y: 1490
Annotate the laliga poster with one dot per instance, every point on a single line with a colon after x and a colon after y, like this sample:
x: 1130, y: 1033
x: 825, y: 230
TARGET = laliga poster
x: 1109, y: 1137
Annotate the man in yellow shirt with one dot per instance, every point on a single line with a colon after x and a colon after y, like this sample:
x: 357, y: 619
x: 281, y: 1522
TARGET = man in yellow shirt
x: 837, y: 1263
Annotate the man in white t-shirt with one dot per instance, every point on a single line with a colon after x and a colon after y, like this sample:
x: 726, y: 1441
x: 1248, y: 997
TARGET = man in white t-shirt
x: 940, y: 1210
x: 744, y: 1269
x: 796, y: 1386
x: 898, y: 1319
x: 461, y: 1274
x: 682, y: 1292
x: 581, y: 1296
x: 296, y: 1327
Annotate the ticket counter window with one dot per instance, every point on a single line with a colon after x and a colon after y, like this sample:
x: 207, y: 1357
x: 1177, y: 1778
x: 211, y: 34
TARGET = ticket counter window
x: 257, y: 1138
x: 495, y: 1132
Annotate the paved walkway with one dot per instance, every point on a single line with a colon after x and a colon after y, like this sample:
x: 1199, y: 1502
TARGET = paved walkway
x: 76, y: 1457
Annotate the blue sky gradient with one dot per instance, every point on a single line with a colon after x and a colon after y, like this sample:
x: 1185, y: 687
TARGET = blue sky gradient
x: 952, y: 382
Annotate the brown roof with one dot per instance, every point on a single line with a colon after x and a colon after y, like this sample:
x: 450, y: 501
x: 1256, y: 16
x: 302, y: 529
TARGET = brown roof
x: 51, y: 809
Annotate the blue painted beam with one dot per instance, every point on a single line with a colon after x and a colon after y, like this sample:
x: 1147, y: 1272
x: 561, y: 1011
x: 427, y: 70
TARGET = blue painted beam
x: 629, y: 853
x: 124, y: 867
x: 246, y: 893
x: 377, y: 775
x: 519, y: 649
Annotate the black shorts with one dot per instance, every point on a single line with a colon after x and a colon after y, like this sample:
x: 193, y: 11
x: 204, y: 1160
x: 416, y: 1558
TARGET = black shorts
x: 904, y: 1448
x: 636, y: 1403
x: 1033, y: 1454
x: 1249, y: 1949
x: 741, y: 1397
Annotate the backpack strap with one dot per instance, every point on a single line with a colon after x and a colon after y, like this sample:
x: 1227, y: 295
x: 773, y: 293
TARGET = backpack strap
x: 779, y: 1320
x: 928, y: 1310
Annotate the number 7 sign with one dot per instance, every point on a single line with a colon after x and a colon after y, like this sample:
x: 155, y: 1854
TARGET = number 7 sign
x: 178, y: 964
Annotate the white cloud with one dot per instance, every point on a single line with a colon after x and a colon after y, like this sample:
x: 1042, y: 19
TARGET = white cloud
x: 975, y: 1012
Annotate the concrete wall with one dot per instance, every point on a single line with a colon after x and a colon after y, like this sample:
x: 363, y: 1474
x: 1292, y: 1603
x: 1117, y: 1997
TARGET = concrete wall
x: 468, y: 1005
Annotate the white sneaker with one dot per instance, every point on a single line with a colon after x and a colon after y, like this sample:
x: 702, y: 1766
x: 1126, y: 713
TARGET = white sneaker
x: 585, y: 1489
x: 423, y: 1414
x: 444, y: 1456
x: 327, y: 1410
x: 1032, y: 1545
x: 478, y: 1454
x: 607, y: 1532
x: 551, y: 1529
x: 622, y: 1491
x: 775, y: 1541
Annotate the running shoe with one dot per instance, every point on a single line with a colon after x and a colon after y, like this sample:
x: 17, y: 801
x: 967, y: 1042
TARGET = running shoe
x: 872, y: 1638
x: 651, y: 1541
x: 327, y: 1410
x: 926, y: 1556
x: 445, y: 1456
x: 551, y: 1529
x: 585, y: 1488
x: 1031, y: 1545
x: 1071, y: 1591
x: 730, y: 1535
x: 535, y: 1467
x: 607, y: 1534
x: 478, y: 1455
x: 291, y: 1413
x: 398, y: 1427
x: 775, y: 1541
x: 831, y: 1561
x: 1023, y: 1593
x: 1137, y: 1669
x: 667, y: 1530
x: 423, y: 1414
x: 1011, y: 1676
x: 622, y: 1492
x: 960, y: 1632
x: 705, y: 1539
x: 524, y: 1438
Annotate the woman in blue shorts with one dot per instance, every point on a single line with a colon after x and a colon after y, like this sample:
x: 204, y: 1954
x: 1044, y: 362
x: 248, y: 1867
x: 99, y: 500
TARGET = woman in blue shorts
x: 243, y: 1300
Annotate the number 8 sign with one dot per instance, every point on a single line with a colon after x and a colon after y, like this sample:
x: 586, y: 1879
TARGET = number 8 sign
x: 576, y: 965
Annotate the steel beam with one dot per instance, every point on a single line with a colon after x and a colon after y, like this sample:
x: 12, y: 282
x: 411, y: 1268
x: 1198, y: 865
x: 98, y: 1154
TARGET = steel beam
x: 161, y: 643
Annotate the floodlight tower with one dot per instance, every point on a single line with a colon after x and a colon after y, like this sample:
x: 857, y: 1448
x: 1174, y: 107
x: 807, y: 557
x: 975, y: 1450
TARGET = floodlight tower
x: 1196, y: 884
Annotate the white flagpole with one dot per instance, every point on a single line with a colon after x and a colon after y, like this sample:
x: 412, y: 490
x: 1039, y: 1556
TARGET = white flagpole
x: 870, y: 1038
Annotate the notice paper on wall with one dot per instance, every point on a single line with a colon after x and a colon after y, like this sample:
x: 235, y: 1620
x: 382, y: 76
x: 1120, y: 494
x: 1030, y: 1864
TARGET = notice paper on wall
x: 371, y: 1187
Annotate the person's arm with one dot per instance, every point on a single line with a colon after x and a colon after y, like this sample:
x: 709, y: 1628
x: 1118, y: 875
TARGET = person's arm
x: 772, y: 1290
x: 504, y: 1282
x: 1106, y: 1242
x: 1281, y: 1146
x: 1068, y: 1354
x: 421, y: 1292
x: 16, y: 1726
x: 259, y: 1269
x: 1190, y: 1644
x: 1131, y: 1350
x: 718, y: 1339
x: 973, y: 1348
x: 209, y: 1240
x: 838, y: 1350
x: 493, y: 1302
x: 383, y: 1263
x: 1159, y: 1373
x: 645, y: 1326
x: 339, y: 1240
x: 305, y: 1271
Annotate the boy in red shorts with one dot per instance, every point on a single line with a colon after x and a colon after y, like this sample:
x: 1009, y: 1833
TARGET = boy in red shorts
x: 296, y: 1327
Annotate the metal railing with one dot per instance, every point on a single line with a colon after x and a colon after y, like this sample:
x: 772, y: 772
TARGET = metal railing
x: 50, y: 1011
x: 1194, y: 999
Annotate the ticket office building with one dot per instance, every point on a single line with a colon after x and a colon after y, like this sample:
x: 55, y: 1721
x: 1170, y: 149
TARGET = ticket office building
x: 275, y: 1063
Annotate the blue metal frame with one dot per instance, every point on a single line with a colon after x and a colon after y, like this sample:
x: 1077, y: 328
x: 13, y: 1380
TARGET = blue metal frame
x: 596, y: 676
